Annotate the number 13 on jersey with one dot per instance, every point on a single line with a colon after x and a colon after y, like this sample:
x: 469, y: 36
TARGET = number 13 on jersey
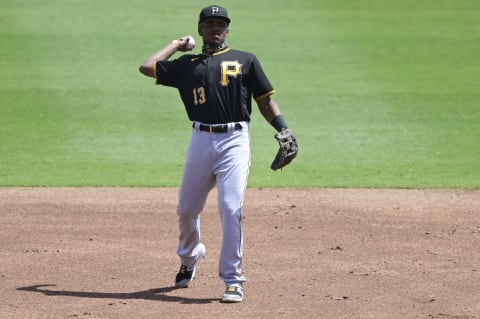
x: 199, y: 96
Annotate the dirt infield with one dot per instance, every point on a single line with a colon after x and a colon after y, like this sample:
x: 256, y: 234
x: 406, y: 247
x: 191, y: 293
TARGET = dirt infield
x: 309, y: 253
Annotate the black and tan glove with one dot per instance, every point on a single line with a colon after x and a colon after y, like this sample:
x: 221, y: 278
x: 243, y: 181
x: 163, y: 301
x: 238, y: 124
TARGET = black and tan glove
x: 288, y: 149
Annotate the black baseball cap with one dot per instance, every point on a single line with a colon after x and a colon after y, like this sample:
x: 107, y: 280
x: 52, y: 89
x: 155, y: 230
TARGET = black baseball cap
x: 213, y: 11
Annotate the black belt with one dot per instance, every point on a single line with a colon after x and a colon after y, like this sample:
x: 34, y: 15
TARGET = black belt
x: 219, y: 128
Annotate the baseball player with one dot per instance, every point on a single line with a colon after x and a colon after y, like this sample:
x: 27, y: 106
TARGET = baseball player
x: 216, y: 88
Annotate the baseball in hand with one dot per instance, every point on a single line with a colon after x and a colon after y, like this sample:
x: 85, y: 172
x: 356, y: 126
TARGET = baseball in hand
x: 190, y: 42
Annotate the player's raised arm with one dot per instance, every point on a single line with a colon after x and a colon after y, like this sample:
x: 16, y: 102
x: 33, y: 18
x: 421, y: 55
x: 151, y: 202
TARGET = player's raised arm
x: 182, y: 44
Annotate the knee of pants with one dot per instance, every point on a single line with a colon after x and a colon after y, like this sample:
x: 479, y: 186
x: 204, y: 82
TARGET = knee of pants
x: 189, y: 210
x: 190, y: 205
x: 230, y: 210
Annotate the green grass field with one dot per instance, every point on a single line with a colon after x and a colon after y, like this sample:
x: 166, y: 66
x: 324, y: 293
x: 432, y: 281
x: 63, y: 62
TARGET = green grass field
x: 380, y: 93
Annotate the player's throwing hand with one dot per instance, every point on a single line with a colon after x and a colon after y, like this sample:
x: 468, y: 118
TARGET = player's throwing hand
x: 186, y: 43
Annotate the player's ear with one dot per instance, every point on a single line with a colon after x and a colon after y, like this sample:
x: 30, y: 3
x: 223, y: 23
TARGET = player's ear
x: 200, y: 29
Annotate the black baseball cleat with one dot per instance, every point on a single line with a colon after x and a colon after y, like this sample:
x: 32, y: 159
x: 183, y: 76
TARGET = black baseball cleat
x: 186, y: 274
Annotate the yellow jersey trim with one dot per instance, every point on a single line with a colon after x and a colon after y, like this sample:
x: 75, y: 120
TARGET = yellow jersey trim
x: 217, y: 53
x: 264, y: 95
x: 220, y: 52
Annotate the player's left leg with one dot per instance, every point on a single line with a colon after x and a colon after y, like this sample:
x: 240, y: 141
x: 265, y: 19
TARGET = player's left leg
x: 232, y: 173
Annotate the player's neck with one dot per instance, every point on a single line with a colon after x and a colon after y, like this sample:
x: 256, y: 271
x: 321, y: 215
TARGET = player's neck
x: 209, y: 49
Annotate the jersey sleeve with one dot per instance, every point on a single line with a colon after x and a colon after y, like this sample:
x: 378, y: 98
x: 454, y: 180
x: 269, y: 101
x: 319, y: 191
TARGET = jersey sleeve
x: 165, y: 73
x: 258, y: 81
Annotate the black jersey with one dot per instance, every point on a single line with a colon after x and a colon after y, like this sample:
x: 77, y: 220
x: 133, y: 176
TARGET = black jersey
x: 216, y: 89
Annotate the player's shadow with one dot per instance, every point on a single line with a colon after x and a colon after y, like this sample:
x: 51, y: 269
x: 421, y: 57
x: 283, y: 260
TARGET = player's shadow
x: 159, y: 294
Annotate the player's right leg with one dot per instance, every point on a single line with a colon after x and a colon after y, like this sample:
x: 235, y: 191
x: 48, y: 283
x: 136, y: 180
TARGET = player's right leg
x: 197, y: 182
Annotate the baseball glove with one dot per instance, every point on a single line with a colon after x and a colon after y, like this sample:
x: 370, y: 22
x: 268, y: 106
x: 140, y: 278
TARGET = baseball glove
x: 288, y: 149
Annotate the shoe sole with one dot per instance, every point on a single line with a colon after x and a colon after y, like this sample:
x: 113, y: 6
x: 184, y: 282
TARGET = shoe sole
x: 201, y: 254
x: 232, y: 299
